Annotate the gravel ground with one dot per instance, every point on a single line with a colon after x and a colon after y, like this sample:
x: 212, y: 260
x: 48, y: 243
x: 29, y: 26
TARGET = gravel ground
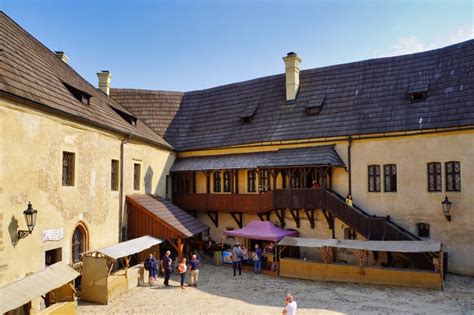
x: 220, y: 293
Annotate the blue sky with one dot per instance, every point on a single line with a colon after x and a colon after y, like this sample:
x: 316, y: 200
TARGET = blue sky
x: 190, y: 45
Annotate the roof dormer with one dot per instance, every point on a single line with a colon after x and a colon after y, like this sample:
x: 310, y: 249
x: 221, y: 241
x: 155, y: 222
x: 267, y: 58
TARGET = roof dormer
x: 418, y: 91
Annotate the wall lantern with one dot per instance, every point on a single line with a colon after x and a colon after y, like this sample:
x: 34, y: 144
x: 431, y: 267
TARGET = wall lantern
x: 30, y: 217
x: 447, y: 208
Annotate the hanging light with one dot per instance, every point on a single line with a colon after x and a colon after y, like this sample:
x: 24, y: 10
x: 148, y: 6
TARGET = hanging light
x: 447, y: 208
x: 30, y: 218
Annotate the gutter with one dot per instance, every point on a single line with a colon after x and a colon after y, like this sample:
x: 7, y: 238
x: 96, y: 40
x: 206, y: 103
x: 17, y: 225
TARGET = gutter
x: 125, y: 140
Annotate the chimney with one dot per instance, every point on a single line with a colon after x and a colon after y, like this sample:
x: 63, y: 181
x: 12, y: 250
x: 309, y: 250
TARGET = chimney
x: 104, y: 81
x: 61, y: 55
x: 292, y: 70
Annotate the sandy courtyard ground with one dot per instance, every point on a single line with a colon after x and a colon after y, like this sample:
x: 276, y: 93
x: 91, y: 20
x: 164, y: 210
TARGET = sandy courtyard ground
x: 220, y: 293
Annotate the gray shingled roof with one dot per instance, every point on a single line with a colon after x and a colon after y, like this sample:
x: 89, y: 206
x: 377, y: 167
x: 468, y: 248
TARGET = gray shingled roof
x: 30, y: 71
x: 360, y: 98
x: 320, y: 155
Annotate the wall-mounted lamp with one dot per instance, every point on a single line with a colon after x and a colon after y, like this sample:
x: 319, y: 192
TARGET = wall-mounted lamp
x: 447, y: 208
x: 30, y: 217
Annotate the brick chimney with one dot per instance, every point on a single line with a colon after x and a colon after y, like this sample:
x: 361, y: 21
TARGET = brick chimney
x: 104, y: 81
x: 292, y: 70
x: 61, y: 55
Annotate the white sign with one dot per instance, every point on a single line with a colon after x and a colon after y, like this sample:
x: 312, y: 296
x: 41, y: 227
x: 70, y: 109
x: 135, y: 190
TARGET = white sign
x: 52, y: 234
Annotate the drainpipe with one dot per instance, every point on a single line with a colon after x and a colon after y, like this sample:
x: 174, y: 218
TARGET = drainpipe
x: 349, y: 140
x: 122, y: 168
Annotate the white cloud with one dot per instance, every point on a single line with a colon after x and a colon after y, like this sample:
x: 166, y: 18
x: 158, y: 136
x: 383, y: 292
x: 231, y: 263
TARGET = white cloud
x: 412, y: 44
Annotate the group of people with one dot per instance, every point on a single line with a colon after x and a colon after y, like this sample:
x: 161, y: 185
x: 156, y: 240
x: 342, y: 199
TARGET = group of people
x: 241, y: 254
x: 166, y: 267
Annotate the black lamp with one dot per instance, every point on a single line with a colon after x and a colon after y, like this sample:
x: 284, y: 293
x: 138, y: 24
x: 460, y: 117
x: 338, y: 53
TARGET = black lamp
x: 447, y: 208
x: 30, y: 217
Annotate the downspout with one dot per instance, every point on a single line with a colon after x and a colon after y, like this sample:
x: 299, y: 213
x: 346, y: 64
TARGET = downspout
x: 122, y: 171
x: 349, y: 140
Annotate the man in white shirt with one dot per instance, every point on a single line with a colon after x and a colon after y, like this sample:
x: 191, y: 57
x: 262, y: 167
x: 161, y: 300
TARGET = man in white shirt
x: 290, y: 306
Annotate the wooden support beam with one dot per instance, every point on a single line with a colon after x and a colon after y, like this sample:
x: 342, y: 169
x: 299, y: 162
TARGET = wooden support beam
x: 215, y: 218
x: 281, y: 216
x: 310, y: 215
x: 180, y: 248
x: 265, y: 216
x: 295, y: 213
x: 238, y: 217
x: 329, y: 219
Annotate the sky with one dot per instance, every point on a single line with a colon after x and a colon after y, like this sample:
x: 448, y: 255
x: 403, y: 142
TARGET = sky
x: 192, y: 45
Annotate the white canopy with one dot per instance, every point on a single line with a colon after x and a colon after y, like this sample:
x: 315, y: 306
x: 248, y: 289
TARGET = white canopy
x: 383, y: 246
x: 130, y: 247
x: 22, y: 291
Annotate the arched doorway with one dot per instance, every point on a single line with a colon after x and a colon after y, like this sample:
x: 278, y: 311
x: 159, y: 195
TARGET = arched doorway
x: 80, y: 244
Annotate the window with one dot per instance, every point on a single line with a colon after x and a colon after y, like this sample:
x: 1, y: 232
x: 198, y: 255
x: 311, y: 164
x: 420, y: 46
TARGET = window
x: 390, y: 178
x: 251, y: 181
x: 350, y: 234
x: 68, y: 169
x: 418, y: 90
x: 265, y: 184
x: 434, y: 176
x: 114, y: 175
x: 53, y: 256
x: 79, y: 243
x: 136, y: 176
x: 423, y: 229
x: 453, y: 176
x: 217, y: 181
x: 374, y: 178
x: 227, y: 178
x: 81, y: 96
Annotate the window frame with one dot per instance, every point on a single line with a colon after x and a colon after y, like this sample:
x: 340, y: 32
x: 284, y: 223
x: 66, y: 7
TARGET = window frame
x: 423, y: 229
x: 390, y: 179
x: 377, y: 182
x: 217, y: 182
x: 68, y: 169
x: 453, y: 173
x: 436, y: 175
x: 227, y: 186
x: 114, y: 174
x: 251, y: 181
x: 137, y: 175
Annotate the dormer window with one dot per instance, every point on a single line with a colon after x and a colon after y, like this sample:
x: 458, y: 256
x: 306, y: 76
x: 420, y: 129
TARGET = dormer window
x: 81, y: 96
x: 249, y: 112
x: 418, y: 91
x: 127, y: 117
x: 314, y: 104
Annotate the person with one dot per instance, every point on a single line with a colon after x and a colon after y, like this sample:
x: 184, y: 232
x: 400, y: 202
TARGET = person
x: 245, y: 254
x: 182, y: 268
x: 166, y: 267
x: 194, y: 268
x: 290, y: 305
x: 152, y: 267
x: 269, y: 248
x: 237, y: 258
x: 257, y: 259
x: 315, y: 185
x: 349, y: 200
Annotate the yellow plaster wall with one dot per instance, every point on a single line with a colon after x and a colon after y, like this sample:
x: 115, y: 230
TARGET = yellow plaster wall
x: 31, y: 149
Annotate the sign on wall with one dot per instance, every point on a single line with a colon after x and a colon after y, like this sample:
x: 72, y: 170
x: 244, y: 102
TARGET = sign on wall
x: 52, y: 234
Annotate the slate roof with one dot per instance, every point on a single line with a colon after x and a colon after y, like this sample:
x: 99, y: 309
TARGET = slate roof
x: 30, y: 71
x: 167, y: 212
x: 318, y: 155
x: 360, y: 98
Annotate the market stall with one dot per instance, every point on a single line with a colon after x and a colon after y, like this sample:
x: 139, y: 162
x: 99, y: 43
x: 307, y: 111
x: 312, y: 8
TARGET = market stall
x: 99, y: 283
x: 54, y: 283
x: 368, y: 270
x: 264, y: 231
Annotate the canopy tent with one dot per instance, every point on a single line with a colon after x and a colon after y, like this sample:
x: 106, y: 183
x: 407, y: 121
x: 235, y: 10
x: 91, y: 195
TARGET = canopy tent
x: 385, y: 246
x: 261, y: 230
x: 128, y: 248
x: 22, y: 291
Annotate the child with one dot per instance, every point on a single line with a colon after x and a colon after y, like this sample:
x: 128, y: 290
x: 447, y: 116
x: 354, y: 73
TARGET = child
x: 182, y: 268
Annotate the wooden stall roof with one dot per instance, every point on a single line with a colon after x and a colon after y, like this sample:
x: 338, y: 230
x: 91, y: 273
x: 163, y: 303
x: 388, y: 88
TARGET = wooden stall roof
x: 129, y: 247
x: 317, y: 155
x: 385, y: 246
x: 22, y: 291
x: 165, y: 213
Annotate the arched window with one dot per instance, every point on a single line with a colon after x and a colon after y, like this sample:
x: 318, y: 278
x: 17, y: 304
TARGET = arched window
x: 79, y: 243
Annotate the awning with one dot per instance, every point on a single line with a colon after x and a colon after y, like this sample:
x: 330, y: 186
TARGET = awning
x: 164, y: 213
x: 128, y: 248
x: 307, y: 156
x: 22, y: 291
x: 261, y: 230
x: 383, y: 246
